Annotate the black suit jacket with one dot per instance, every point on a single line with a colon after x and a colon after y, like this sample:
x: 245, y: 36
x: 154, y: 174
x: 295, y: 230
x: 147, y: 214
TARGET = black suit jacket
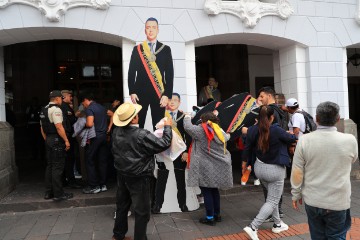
x: 138, y: 80
x: 178, y: 163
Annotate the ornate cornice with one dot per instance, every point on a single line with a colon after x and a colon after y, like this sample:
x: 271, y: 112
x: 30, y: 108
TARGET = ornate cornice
x: 249, y: 11
x: 54, y: 9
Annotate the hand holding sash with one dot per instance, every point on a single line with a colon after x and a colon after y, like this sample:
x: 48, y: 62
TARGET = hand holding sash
x: 164, y: 101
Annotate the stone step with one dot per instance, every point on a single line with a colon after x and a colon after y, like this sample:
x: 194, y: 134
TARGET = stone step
x: 29, y: 197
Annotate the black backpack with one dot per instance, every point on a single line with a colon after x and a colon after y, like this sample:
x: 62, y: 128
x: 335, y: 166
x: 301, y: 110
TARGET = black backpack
x: 282, y: 121
x: 310, y: 124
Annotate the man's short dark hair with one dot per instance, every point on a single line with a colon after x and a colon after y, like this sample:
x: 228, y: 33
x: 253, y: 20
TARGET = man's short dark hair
x: 86, y: 95
x: 267, y: 90
x: 176, y: 94
x: 327, y: 113
x: 152, y: 19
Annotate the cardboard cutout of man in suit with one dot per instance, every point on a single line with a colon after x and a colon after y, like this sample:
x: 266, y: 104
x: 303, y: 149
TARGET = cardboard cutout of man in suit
x: 151, y: 75
x: 179, y: 164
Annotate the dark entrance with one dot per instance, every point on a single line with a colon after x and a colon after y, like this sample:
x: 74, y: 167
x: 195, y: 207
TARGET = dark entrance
x: 33, y: 69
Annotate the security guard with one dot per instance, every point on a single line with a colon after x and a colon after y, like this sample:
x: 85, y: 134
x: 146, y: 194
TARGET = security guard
x: 57, y: 144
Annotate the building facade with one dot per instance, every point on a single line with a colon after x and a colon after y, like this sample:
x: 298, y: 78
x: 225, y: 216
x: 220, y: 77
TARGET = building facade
x: 307, y: 44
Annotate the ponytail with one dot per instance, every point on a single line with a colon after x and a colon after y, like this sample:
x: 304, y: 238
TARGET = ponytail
x: 264, y: 127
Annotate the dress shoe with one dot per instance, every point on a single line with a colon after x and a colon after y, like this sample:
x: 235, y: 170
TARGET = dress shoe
x: 156, y: 209
x: 65, y: 196
x: 184, y: 208
x: 48, y: 196
x: 205, y: 220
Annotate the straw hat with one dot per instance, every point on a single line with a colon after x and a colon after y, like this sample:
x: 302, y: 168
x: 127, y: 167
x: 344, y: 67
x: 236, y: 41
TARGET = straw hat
x: 125, y: 113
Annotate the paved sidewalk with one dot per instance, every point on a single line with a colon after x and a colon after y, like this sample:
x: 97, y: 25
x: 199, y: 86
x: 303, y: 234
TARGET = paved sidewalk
x: 95, y: 223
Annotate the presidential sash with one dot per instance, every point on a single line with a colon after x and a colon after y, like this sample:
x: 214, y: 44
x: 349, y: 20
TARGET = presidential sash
x: 151, y: 67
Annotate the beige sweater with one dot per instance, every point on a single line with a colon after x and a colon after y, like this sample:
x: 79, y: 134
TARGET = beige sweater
x: 321, y: 168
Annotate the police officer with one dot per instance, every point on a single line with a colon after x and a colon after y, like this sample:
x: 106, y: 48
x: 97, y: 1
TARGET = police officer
x: 57, y: 144
x: 69, y: 119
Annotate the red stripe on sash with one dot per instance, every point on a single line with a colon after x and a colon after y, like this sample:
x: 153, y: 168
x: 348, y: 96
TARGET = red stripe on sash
x: 152, y: 80
x: 238, y: 112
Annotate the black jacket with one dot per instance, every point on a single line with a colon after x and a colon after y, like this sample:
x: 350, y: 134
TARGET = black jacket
x: 138, y: 80
x: 178, y: 163
x: 134, y: 148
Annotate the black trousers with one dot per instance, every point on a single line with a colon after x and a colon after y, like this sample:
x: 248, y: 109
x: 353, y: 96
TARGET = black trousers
x: 157, y: 112
x: 211, y: 201
x: 135, y: 191
x: 96, y: 158
x: 70, y: 159
x: 55, y: 153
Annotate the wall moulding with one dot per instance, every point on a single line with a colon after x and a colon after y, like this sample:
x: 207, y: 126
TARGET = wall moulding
x: 54, y: 9
x: 250, y: 11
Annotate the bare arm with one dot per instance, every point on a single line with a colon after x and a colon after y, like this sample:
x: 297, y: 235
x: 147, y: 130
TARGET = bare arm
x: 43, y: 133
x: 61, y: 131
x: 89, y: 121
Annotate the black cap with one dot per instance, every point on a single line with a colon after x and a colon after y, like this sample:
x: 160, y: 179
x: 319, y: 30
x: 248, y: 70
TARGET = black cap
x: 55, y: 93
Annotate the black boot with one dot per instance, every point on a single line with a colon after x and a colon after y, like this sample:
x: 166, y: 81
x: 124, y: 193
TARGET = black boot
x: 161, y: 181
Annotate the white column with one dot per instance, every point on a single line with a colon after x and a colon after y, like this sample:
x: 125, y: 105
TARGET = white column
x: 191, y: 91
x: 2, y: 86
x: 293, y: 79
x: 127, y: 47
x: 327, y: 71
x: 277, y: 75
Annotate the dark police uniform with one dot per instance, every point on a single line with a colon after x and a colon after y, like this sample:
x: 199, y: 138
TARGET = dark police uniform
x: 68, y: 120
x: 55, y: 150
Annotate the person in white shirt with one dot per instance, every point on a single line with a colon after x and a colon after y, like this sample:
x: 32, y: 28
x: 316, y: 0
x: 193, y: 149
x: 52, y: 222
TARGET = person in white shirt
x: 297, y: 122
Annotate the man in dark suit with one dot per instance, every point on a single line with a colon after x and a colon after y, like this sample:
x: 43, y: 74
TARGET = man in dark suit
x: 179, y: 163
x: 151, y: 74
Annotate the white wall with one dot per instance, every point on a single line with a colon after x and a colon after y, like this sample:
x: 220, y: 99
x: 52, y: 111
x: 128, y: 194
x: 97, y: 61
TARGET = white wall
x: 259, y: 66
x: 2, y: 86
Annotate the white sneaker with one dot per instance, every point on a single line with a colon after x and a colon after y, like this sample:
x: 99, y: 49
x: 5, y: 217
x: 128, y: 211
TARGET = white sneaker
x: 280, y: 228
x: 251, y: 233
x: 256, y: 182
x: 243, y: 183
x: 103, y: 188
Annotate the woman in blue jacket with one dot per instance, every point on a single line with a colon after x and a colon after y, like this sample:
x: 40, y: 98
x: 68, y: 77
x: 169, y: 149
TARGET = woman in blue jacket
x: 269, y: 142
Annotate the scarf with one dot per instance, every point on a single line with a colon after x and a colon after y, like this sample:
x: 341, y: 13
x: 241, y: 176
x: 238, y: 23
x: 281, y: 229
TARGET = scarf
x: 211, y: 129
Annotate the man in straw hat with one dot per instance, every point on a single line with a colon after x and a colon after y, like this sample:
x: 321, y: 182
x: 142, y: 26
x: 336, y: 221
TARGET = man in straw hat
x: 133, y: 149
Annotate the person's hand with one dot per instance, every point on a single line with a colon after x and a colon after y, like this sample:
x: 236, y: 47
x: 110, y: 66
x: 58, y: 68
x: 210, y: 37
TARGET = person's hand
x: 295, y: 205
x: 67, y: 145
x: 110, y: 113
x: 167, y: 121
x: 216, y: 112
x: 134, y: 98
x: 244, y: 130
x: 184, y: 156
x: 164, y: 101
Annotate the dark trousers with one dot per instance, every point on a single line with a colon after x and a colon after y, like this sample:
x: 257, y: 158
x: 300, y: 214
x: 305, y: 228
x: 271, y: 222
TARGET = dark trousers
x: 181, y: 186
x: 211, y: 200
x: 55, y: 153
x: 96, y: 154
x: 70, y: 160
x: 135, y: 191
x: 157, y: 112
x: 328, y: 224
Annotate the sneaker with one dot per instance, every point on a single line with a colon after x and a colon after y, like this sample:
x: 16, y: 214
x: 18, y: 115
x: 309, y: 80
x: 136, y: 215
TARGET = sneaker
x: 251, y: 233
x: 103, y: 188
x: 115, y: 215
x: 279, y: 228
x: 205, y: 220
x: 48, y: 195
x: 243, y: 183
x: 256, y: 182
x: 77, y: 175
x: 269, y: 219
x: 91, y: 190
x: 65, y: 196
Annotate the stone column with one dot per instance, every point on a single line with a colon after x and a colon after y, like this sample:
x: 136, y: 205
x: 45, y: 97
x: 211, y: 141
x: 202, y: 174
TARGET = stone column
x: 190, y: 81
x: 292, y: 74
x: 8, y: 169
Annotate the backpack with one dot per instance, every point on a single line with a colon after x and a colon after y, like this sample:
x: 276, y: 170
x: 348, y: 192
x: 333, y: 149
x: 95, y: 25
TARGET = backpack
x: 282, y: 121
x: 310, y: 124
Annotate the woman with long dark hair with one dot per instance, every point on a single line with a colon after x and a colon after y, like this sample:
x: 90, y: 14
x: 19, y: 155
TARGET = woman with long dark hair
x: 269, y: 142
x: 210, y: 163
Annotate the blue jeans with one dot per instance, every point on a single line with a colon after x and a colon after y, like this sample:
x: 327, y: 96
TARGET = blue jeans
x: 328, y: 224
